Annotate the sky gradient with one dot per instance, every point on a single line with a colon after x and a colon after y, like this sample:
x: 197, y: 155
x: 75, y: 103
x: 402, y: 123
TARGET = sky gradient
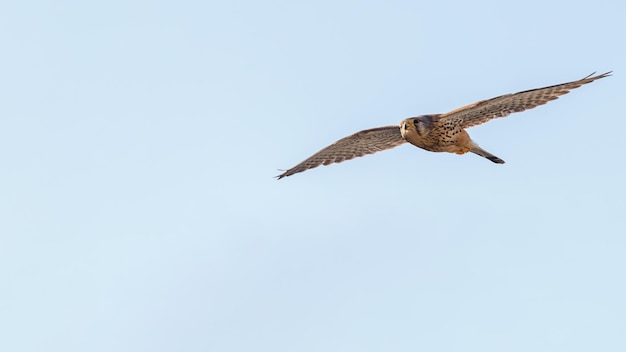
x: 138, y: 208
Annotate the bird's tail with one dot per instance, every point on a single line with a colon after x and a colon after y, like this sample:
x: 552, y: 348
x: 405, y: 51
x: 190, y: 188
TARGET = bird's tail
x: 485, y: 154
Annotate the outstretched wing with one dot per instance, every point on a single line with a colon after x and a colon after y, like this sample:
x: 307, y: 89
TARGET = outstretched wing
x: 359, y: 144
x: 485, y: 110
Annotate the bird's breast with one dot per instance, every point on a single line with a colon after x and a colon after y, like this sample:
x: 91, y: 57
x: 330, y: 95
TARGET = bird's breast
x: 424, y: 141
x: 440, y: 140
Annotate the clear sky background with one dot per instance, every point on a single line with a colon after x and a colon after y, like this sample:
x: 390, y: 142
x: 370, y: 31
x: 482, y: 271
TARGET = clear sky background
x: 138, y: 208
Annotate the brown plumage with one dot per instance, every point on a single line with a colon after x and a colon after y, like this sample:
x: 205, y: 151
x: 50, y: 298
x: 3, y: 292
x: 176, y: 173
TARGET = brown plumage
x: 438, y: 132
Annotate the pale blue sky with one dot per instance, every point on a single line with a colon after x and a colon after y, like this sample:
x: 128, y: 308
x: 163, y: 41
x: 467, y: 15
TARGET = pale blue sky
x: 138, y: 141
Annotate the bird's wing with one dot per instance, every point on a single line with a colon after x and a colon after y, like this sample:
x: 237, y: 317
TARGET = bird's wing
x: 485, y: 110
x: 359, y: 144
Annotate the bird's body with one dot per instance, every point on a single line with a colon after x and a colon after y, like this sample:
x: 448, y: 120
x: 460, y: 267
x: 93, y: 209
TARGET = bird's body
x: 432, y: 133
x: 438, y: 132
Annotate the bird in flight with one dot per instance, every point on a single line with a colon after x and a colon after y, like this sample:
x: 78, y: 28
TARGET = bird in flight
x: 438, y: 132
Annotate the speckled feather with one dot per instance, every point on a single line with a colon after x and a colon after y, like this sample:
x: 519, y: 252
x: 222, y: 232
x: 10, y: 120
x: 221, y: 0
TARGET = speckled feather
x: 356, y: 145
x: 504, y: 105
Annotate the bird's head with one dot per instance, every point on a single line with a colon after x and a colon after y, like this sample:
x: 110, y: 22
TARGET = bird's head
x: 413, y: 125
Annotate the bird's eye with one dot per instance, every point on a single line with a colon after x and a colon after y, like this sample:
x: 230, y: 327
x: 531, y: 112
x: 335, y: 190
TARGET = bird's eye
x: 405, y: 126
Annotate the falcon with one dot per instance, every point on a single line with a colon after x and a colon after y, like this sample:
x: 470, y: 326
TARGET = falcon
x: 438, y: 132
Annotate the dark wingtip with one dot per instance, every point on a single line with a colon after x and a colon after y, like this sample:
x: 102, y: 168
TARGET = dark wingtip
x: 602, y: 75
x: 284, y: 174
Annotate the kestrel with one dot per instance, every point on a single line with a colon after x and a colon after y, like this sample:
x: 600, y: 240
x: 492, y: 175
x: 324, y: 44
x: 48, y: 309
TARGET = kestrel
x: 438, y: 132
